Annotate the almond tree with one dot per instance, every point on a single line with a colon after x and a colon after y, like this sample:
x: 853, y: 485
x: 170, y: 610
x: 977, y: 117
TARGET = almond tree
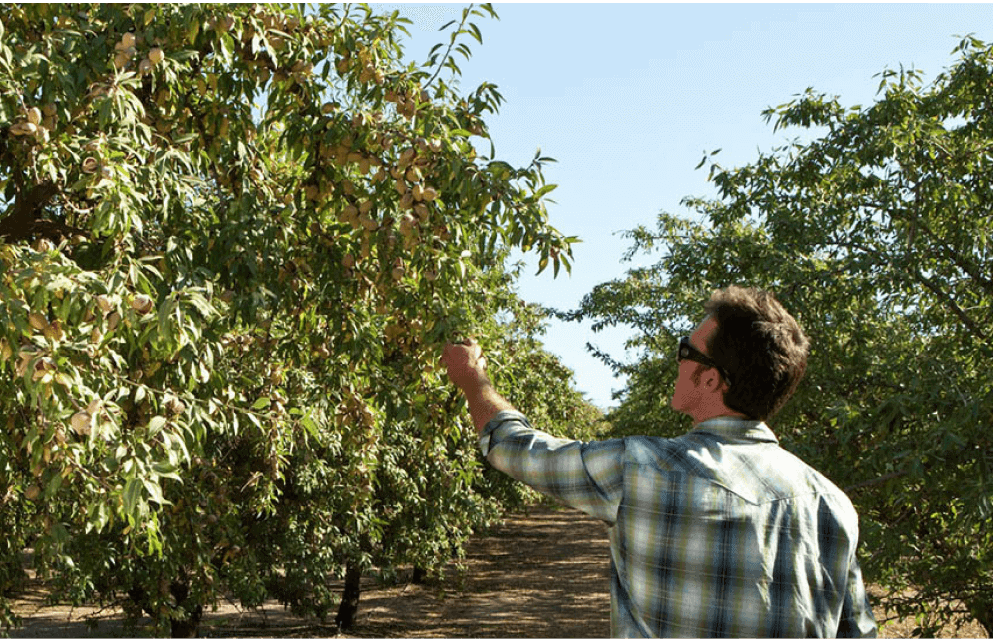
x: 234, y: 239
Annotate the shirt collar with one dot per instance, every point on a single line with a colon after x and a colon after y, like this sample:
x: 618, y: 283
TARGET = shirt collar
x: 737, y: 428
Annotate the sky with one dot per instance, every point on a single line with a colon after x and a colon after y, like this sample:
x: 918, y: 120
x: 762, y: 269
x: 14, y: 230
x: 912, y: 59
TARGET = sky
x: 628, y: 97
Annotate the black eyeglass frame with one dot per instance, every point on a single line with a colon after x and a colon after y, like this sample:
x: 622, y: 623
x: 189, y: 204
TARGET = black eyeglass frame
x: 688, y: 351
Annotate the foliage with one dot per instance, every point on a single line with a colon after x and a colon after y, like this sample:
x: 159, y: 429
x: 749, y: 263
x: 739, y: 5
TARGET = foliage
x: 235, y: 237
x: 877, y: 234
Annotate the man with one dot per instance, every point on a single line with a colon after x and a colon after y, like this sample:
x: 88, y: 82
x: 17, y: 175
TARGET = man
x: 719, y: 532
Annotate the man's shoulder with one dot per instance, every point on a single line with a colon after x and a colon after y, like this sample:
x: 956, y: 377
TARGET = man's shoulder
x: 665, y: 453
x: 790, y: 476
x: 769, y: 470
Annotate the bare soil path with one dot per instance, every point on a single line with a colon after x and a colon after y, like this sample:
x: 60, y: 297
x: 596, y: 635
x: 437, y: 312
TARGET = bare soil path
x: 543, y: 573
x: 537, y: 574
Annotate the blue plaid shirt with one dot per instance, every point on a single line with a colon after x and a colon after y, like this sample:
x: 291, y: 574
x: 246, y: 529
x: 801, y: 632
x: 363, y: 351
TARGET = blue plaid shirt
x: 719, y: 532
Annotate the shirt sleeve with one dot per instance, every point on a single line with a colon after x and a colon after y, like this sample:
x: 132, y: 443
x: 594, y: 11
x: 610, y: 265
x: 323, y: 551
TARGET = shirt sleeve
x: 857, y: 619
x: 586, y: 476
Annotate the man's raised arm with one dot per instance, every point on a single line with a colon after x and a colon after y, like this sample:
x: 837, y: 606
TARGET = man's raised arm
x: 467, y: 370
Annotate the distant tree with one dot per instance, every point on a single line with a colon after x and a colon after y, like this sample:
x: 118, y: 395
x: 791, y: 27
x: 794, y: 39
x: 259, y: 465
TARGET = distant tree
x: 878, y: 235
x: 234, y: 238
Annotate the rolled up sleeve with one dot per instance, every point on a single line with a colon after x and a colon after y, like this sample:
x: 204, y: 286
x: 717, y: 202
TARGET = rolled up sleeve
x: 586, y: 476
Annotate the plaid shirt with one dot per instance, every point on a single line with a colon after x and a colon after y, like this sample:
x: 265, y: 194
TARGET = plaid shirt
x: 719, y: 532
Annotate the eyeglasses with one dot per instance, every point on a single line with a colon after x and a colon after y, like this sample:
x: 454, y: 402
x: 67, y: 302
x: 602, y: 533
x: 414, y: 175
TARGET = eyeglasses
x: 687, y: 351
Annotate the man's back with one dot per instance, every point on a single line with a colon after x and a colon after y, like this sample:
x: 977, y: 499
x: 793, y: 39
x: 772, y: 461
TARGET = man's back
x: 719, y: 532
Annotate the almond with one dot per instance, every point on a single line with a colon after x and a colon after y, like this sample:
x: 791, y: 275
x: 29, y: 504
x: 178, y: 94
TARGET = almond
x: 80, y: 423
x: 142, y: 304
x: 105, y: 304
x: 23, y: 128
x: 38, y: 321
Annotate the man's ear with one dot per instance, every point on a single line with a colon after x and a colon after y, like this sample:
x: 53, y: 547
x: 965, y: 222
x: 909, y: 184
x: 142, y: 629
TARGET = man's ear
x: 712, y: 379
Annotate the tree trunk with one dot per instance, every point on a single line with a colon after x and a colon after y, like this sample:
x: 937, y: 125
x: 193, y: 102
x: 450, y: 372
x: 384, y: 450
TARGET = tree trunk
x: 982, y: 611
x: 20, y: 223
x: 186, y: 627
x: 188, y: 622
x: 420, y: 576
x: 349, y: 607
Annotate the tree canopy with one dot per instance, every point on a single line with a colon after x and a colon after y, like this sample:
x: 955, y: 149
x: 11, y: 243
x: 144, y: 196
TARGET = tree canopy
x: 877, y: 234
x: 234, y: 238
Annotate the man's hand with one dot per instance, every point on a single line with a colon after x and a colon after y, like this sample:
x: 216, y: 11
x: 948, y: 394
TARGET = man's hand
x: 467, y: 370
x: 466, y: 365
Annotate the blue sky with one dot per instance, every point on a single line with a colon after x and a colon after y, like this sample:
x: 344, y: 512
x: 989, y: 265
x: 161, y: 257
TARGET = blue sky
x: 628, y: 97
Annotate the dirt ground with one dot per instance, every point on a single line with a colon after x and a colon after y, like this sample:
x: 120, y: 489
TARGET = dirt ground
x: 538, y: 574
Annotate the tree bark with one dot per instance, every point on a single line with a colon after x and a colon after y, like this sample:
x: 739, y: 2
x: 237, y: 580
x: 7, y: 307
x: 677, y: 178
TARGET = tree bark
x: 188, y: 624
x: 185, y: 625
x: 349, y: 606
x: 420, y: 575
x: 982, y: 611
x: 29, y: 202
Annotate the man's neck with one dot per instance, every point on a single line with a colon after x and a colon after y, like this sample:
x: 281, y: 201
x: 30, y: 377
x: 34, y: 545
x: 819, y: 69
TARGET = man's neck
x: 708, y: 415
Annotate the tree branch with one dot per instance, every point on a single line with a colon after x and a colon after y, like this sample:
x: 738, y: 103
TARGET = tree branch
x: 916, y: 275
x: 448, y: 51
x: 28, y: 204
x: 951, y: 304
x: 878, y: 480
x: 918, y: 225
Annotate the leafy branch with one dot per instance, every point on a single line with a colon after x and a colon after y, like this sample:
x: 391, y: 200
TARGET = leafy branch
x: 446, y: 60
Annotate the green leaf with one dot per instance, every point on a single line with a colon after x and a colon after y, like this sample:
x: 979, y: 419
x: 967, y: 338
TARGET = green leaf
x: 155, y: 425
x: 548, y: 188
x: 131, y: 498
x: 154, y: 491
x: 476, y: 33
x: 192, y: 30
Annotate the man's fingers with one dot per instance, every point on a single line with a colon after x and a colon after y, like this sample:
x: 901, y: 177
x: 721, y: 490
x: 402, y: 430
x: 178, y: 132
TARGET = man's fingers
x: 471, y: 349
x: 468, y: 343
x: 468, y: 351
